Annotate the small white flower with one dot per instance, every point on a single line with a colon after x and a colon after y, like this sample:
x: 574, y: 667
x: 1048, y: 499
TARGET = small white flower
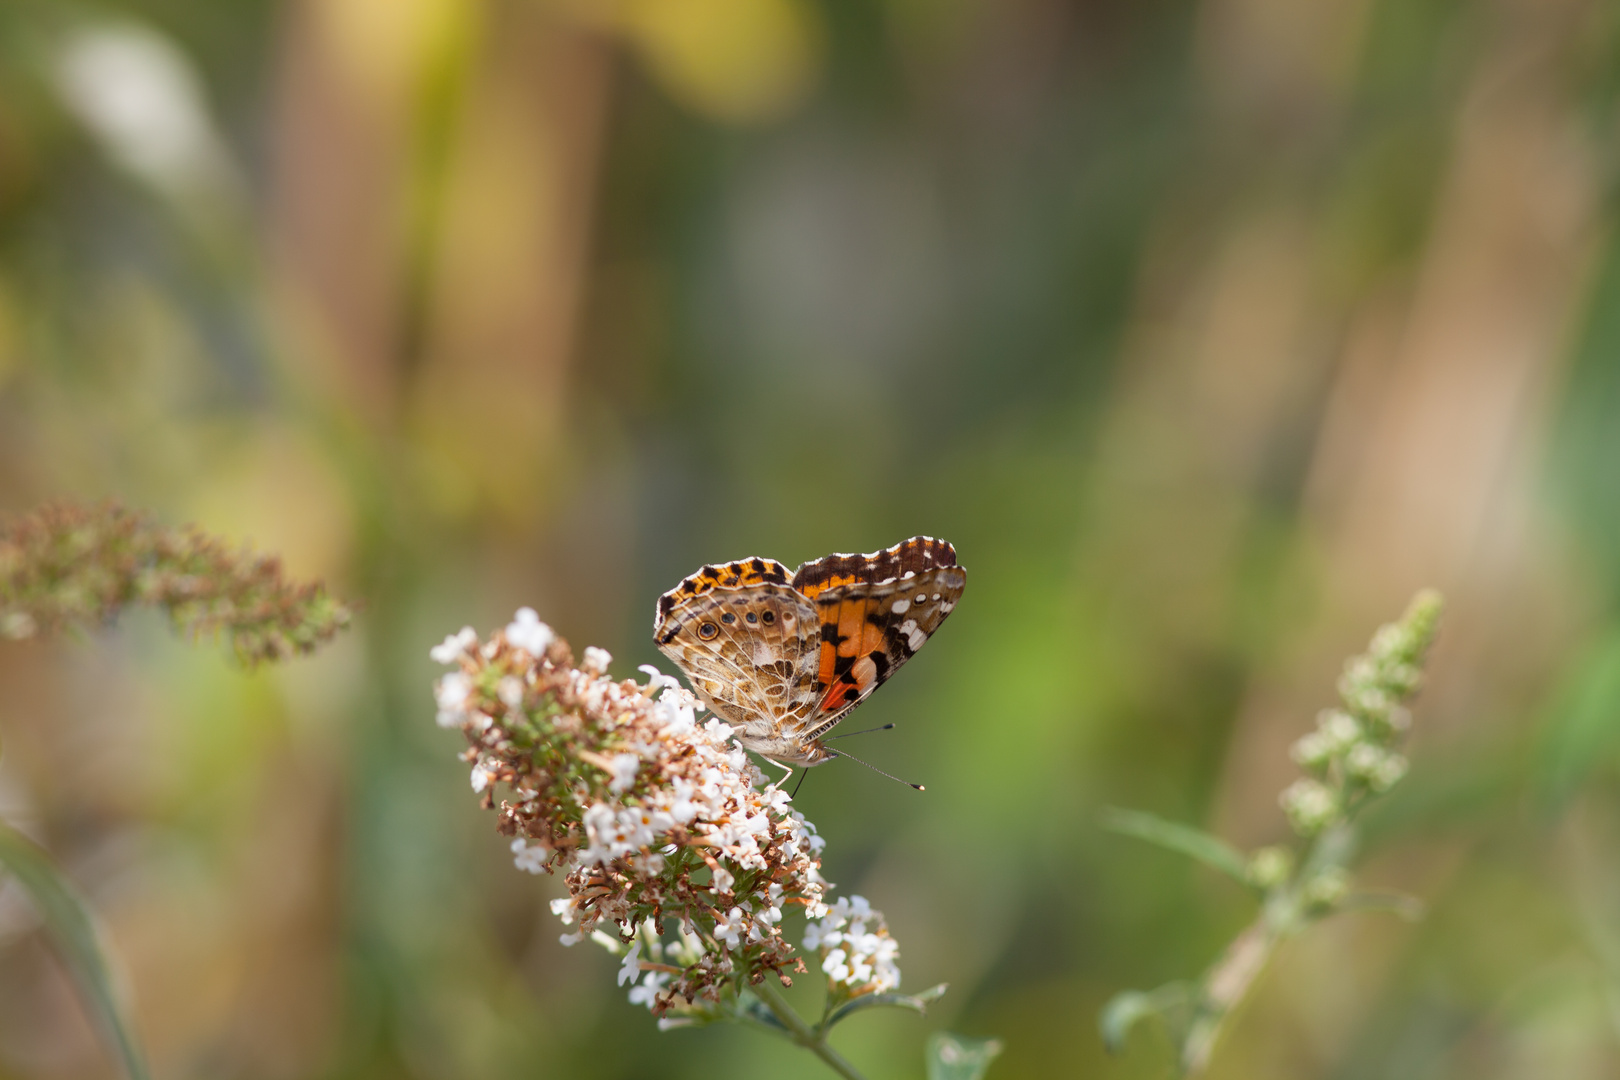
x: 482, y: 776
x: 451, y: 693
x: 658, y: 680
x: 596, y: 660
x: 834, y: 966
x: 729, y: 929
x: 510, y: 691
x: 647, y: 993
x: 454, y: 647
x: 570, y: 940
x: 630, y: 969
x: 528, y: 633
x: 563, y: 908
x: 530, y: 859
x: 624, y: 771
x: 723, y: 881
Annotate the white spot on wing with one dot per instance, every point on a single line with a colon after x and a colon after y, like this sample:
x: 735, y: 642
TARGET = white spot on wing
x: 914, y: 633
x: 899, y: 607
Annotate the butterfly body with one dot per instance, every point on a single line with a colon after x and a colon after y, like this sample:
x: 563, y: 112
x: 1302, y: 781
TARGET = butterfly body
x: 783, y: 658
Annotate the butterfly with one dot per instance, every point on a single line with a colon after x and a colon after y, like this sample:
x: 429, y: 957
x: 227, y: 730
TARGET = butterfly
x: 783, y: 659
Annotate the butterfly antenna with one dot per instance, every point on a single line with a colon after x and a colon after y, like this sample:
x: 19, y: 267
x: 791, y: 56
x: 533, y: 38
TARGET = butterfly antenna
x: 868, y: 731
x: 874, y: 768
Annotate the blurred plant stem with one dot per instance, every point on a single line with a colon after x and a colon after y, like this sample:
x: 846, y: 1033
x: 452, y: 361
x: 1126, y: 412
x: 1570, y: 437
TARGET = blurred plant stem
x: 1228, y: 983
x: 796, y: 1028
x: 1286, y: 911
x: 77, y: 940
x: 1351, y: 758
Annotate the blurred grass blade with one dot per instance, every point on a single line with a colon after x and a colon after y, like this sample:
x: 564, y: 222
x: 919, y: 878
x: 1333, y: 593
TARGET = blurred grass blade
x: 916, y: 1002
x: 957, y: 1057
x: 1195, y: 843
x: 1409, y: 908
x: 1124, y: 1009
x: 1581, y: 735
x: 73, y: 931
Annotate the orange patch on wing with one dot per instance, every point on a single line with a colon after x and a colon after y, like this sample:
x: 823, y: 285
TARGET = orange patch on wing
x: 836, y: 697
x: 829, y: 663
x: 851, y: 620
x: 812, y: 591
x: 871, y: 637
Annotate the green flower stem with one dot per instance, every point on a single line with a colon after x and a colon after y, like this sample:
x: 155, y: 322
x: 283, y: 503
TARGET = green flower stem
x: 802, y: 1033
x: 1225, y: 987
x: 1284, y: 914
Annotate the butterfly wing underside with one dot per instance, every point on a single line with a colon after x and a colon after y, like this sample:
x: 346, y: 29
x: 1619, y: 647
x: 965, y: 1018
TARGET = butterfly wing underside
x: 876, y: 611
x: 782, y: 660
x: 748, y: 643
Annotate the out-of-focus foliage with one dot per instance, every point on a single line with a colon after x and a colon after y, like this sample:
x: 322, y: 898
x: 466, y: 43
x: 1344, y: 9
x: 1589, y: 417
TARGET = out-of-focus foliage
x: 65, y: 565
x: 1206, y: 331
x: 73, y: 932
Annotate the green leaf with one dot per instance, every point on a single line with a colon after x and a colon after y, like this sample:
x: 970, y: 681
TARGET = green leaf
x: 73, y: 931
x: 1183, y: 839
x: 1123, y: 1011
x: 916, y: 1002
x: 1581, y: 736
x: 957, y: 1057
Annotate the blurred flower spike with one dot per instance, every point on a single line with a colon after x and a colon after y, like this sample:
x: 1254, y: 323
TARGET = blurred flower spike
x: 66, y: 565
x: 1352, y: 755
x: 675, y: 853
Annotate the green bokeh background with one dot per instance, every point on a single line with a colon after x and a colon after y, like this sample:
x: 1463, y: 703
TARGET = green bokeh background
x: 1208, y: 332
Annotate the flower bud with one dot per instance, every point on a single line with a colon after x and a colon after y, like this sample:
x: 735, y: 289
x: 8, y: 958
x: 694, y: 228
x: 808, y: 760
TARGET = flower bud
x: 1270, y: 866
x: 1339, y: 728
x: 1310, y: 806
x: 1388, y: 774
x: 1326, y: 889
x: 1363, y: 761
x: 1313, y: 752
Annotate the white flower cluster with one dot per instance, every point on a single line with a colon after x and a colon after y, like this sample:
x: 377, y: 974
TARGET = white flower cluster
x: 630, y: 796
x: 857, y: 953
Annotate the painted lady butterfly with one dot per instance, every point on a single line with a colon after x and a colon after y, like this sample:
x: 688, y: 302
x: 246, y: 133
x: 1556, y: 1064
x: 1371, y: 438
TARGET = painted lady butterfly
x: 785, y: 659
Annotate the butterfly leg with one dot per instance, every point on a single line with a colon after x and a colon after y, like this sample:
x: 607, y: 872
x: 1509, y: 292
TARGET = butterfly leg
x: 788, y: 769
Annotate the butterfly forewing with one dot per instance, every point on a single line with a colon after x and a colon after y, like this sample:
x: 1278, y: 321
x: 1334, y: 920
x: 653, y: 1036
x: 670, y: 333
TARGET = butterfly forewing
x: 869, y: 629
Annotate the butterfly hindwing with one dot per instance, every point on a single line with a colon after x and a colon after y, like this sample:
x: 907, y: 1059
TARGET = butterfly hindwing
x: 875, y: 611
